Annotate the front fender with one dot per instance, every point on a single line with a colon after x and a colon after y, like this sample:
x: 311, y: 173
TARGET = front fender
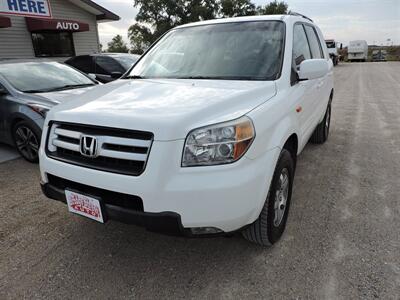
x: 274, y: 122
x: 24, y: 114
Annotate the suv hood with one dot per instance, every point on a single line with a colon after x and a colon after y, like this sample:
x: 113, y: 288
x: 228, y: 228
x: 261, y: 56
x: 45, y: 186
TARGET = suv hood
x: 169, y: 108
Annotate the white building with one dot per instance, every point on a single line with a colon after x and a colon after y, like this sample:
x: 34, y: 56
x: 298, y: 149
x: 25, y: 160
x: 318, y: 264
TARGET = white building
x: 50, y: 28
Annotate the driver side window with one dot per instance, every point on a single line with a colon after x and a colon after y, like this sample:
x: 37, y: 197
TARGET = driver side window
x: 301, y: 49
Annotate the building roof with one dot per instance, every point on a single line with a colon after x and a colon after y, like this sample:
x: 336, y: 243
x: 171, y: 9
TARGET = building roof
x: 102, y: 14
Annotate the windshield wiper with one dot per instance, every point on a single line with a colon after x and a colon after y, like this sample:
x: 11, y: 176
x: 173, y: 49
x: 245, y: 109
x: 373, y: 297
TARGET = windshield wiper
x: 70, y: 86
x: 134, y: 77
x: 34, y: 91
x: 61, y: 88
x: 223, y: 77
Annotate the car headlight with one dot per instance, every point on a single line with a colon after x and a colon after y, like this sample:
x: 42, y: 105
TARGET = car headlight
x: 39, y: 108
x: 218, y: 144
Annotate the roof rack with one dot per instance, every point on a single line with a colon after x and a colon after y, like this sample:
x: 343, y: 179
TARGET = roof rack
x: 293, y: 13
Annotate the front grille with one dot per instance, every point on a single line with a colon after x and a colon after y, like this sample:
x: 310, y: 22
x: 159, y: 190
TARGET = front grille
x: 108, y: 197
x: 119, y: 151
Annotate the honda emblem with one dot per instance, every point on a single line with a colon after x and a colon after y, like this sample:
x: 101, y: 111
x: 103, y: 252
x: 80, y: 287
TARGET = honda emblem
x: 88, y: 146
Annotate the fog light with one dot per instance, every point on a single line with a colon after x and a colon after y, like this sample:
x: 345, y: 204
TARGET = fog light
x: 205, y: 230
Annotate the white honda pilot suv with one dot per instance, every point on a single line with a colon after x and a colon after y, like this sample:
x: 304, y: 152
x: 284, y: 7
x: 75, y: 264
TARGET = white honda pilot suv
x: 202, y: 135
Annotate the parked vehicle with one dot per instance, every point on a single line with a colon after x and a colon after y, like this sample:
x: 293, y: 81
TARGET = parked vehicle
x: 357, y: 51
x: 333, y: 50
x: 379, y: 55
x: 28, y: 89
x: 197, y: 140
x: 104, y: 67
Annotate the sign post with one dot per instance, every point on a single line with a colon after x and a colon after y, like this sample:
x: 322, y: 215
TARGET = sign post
x: 27, y: 8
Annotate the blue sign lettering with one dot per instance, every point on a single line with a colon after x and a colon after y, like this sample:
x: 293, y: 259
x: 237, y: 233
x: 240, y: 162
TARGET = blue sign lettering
x: 26, y: 7
x: 32, y: 6
x: 12, y: 5
x: 22, y: 5
x: 41, y: 8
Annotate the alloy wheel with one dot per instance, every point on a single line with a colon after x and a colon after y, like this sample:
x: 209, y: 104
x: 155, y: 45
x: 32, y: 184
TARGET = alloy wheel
x: 281, y: 197
x: 27, y: 142
x: 327, y: 120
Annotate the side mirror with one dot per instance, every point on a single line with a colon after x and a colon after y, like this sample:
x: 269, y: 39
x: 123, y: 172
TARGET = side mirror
x: 313, y: 69
x: 93, y: 76
x: 116, y: 75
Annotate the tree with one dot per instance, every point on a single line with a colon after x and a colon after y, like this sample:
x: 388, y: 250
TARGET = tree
x: 162, y: 15
x: 273, y: 8
x: 155, y: 17
x: 237, y: 8
x: 117, y: 44
x: 140, y: 37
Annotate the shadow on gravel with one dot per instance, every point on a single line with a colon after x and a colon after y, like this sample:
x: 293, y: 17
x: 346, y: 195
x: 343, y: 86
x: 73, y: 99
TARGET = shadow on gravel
x: 142, y: 263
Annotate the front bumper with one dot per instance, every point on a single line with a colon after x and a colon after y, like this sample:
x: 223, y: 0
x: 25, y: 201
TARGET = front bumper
x: 226, y: 197
x: 166, y: 222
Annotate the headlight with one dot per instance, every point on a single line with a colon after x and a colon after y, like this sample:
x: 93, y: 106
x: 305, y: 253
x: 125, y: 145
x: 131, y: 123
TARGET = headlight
x: 218, y: 144
x: 39, y: 108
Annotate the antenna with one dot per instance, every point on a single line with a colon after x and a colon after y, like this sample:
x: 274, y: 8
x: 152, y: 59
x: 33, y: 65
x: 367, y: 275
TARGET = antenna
x: 293, y: 13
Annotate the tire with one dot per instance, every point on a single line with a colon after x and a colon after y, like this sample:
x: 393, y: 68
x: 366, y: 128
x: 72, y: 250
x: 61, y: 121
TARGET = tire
x: 321, y: 133
x: 271, y: 223
x: 27, y: 140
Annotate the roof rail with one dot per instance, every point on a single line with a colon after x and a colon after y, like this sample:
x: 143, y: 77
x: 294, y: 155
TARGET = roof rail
x: 293, y: 13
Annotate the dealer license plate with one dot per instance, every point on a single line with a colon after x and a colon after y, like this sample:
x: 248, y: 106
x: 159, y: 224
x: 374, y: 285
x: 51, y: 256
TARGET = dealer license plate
x: 84, y: 205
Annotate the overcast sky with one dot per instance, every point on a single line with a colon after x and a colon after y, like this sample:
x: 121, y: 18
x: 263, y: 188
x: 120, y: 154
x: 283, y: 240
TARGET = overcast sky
x: 344, y: 20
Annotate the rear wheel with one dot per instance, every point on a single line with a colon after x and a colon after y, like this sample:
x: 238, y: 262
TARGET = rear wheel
x: 321, y: 133
x: 27, y: 141
x: 271, y: 223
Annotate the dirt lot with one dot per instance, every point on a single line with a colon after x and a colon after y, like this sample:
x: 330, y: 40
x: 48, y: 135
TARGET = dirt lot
x: 342, y: 239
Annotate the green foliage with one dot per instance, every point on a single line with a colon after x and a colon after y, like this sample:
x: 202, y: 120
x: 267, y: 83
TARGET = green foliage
x: 237, y: 8
x: 117, y: 45
x: 155, y: 17
x: 273, y: 8
x: 140, y: 37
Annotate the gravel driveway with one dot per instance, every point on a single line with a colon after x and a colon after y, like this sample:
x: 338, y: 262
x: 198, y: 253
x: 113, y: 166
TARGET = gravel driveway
x: 342, y: 239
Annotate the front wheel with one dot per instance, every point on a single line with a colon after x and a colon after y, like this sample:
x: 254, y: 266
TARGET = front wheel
x: 27, y: 141
x: 321, y: 133
x: 271, y: 223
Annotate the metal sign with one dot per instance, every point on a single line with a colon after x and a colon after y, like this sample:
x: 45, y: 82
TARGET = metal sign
x: 30, y: 8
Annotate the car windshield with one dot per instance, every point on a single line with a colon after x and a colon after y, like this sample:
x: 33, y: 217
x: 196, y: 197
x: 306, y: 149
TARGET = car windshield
x: 127, y: 60
x: 331, y: 45
x: 231, y: 51
x: 36, y: 77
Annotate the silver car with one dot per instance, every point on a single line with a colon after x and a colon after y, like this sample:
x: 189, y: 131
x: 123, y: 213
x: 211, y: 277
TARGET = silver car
x: 28, y: 89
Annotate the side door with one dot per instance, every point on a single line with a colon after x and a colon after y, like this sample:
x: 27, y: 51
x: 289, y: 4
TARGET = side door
x: 304, y: 90
x: 105, y: 66
x: 322, y: 88
x: 4, y: 112
x: 2, y: 108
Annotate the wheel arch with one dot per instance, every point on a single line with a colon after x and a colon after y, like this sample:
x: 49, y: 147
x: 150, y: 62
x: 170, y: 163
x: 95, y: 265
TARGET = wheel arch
x: 292, y: 145
x: 18, y: 117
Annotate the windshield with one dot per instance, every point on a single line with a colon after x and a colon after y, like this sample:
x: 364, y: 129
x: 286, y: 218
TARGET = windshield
x: 42, y: 76
x: 236, y: 51
x: 126, y: 61
x: 331, y: 45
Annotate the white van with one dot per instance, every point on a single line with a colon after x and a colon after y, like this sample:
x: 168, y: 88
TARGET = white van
x: 358, y: 51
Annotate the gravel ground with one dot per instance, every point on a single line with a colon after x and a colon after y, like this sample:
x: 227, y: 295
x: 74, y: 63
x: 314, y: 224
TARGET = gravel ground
x: 342, y: 239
